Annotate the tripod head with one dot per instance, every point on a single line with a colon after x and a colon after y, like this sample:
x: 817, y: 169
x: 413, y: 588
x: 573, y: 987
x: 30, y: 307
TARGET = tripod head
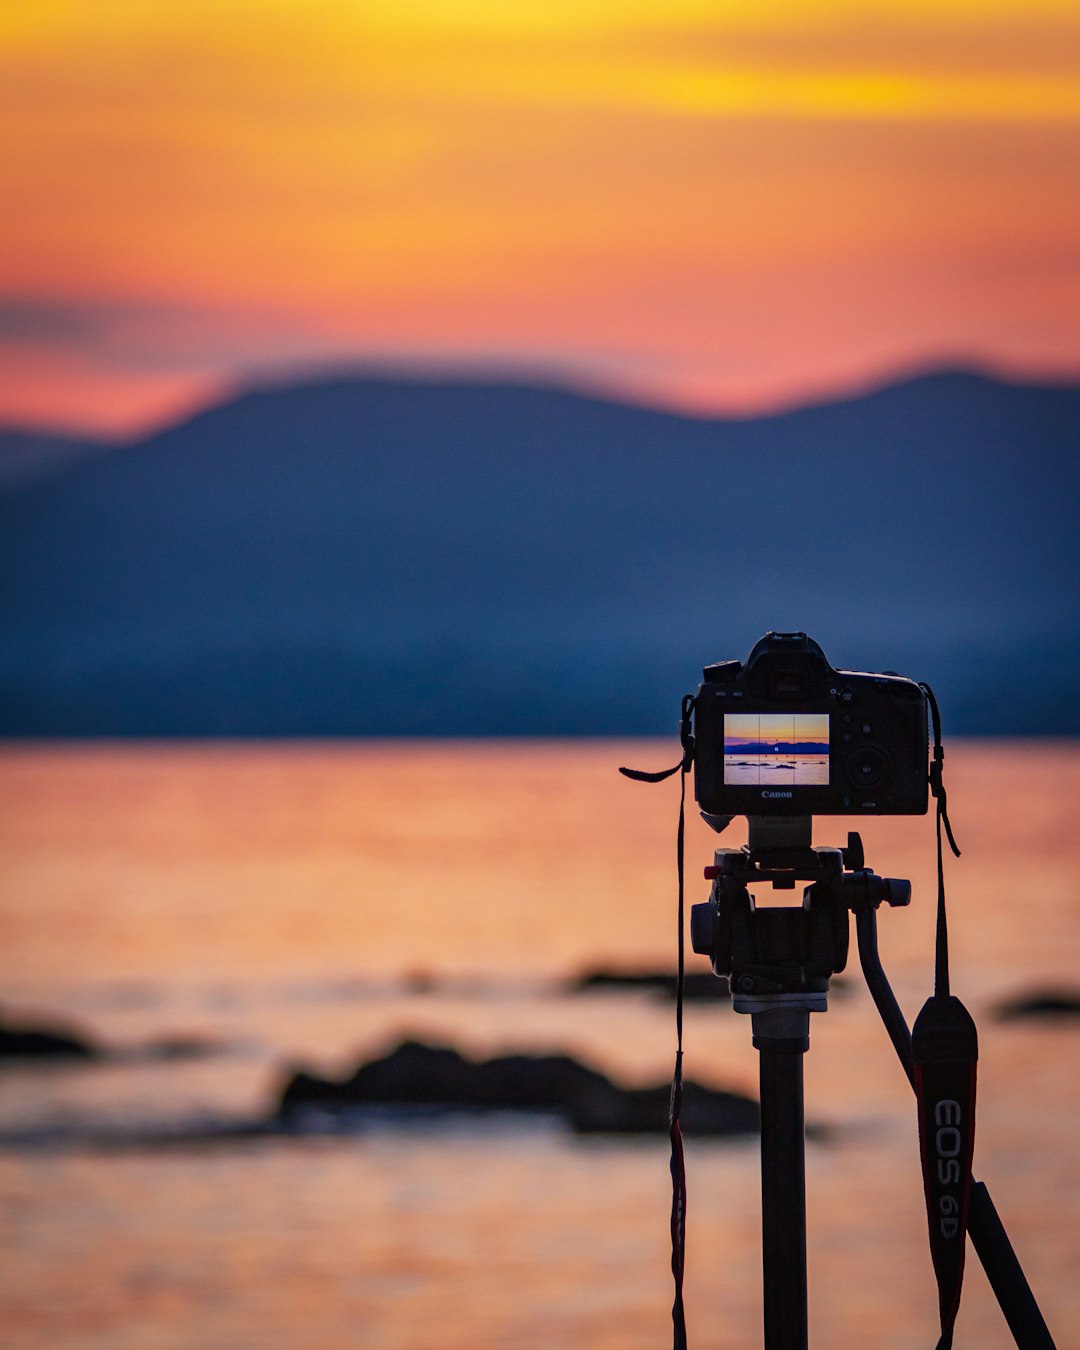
x: 780, y: 955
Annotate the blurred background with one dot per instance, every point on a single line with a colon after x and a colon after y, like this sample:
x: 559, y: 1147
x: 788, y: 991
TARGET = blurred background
x: 399, y: 403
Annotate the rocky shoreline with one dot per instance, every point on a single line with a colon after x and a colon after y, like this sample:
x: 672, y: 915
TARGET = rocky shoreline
x: 425, y: 1077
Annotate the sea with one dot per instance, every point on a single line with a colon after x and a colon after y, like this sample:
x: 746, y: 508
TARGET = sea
x: 216, y: 915
x: 776, y: 770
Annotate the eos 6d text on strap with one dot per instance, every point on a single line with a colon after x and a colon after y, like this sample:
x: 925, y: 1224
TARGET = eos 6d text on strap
x: 945, y: 1049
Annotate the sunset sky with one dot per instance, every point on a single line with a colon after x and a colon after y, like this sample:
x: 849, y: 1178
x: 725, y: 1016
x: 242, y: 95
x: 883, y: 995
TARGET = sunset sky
x: 741, y: 728
x: 704, y: 205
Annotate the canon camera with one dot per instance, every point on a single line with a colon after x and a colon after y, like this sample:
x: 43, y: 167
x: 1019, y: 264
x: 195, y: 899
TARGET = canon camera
x: 787, y: 735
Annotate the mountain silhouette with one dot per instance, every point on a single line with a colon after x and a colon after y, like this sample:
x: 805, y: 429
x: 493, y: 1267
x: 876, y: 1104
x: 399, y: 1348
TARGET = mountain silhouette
x: 778, y: 748
x: 367, y: 556
x: 26, y: 456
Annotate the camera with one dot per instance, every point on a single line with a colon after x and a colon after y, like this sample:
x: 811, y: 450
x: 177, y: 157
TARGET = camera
x: 787, y: 735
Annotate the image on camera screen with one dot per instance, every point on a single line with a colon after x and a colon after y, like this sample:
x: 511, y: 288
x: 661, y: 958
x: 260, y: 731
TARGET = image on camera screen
x: 770, y: 749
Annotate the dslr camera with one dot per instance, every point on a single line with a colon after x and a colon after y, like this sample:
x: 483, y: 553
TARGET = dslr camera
x: 787, y: 735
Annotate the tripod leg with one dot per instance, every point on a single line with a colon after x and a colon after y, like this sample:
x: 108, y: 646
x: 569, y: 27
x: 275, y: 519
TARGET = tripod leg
x: 783, y: 1179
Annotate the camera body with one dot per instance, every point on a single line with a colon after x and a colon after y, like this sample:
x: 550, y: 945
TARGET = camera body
x: 787, y: 735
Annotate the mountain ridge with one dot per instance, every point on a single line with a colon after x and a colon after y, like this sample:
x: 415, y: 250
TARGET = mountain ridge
x: 27, y: 452
x: 361, y: 556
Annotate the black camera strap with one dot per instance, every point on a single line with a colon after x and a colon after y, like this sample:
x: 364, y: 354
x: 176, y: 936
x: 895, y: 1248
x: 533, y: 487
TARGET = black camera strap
x: 678, y: 1161
x: 945, y: 1049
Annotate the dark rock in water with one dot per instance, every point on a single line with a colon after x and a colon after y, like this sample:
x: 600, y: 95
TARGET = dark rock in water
x: 645, y: 1111
x: 30, y: 1042
x: 416, y: 1075
x: 421, y: 981
x: 427, y: 1075
x: 1041, y: 1003
x: 697, y: 985
x: 41, y: 1043
x: 180, y: 1047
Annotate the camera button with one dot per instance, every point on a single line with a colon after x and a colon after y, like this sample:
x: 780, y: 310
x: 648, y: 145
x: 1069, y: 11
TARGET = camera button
x: 868, y: 767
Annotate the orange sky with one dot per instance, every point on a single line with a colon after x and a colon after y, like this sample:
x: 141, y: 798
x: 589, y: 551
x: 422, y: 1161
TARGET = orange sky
x: 723, y: 206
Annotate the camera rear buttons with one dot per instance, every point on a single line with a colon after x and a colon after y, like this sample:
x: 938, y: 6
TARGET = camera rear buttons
x: 867, y: 766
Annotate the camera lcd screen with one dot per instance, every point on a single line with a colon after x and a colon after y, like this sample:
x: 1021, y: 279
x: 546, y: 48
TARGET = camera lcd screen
x: 774, y: 749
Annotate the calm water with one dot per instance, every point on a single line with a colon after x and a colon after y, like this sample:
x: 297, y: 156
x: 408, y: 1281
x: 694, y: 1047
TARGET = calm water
x: 284, y: 900
x: 777, y: 770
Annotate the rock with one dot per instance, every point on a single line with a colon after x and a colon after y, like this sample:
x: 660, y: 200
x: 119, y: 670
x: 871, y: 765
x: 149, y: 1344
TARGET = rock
x: 417, y: 1075
x: 645, y: 1111
x: 28, y: 1042
x: 1041, y: 1003
x: 427, y: 1075
x: 41, y: 1043
x: 697, y: 985
x: 176, y: 1047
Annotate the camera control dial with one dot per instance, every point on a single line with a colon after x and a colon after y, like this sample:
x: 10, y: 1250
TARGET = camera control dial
x: 867, y: 767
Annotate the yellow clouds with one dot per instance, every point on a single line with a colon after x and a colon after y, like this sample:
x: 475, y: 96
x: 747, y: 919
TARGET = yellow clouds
x: 721, y: 202
x: 730, y: 58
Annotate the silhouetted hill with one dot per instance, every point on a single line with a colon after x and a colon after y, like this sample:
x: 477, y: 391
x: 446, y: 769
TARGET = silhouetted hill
x: 378, y: 556
x: 780, y: 747
x: 26, y: 456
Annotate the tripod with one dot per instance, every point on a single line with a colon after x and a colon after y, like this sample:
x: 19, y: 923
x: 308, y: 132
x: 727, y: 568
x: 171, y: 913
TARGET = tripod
x: 779, y: 961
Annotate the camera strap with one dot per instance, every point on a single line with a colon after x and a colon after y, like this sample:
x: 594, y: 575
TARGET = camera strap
x: 945, y: 1049
x: 678, y: 1161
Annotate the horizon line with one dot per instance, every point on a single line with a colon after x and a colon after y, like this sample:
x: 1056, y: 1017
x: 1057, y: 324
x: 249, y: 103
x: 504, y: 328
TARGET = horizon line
x: 647, y: 395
